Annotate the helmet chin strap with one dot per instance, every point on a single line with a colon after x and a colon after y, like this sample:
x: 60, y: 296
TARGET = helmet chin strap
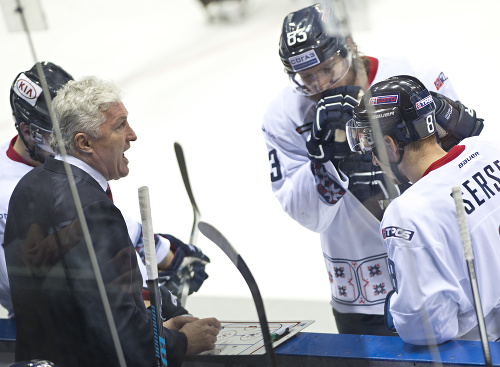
x: 36, y: 154
x: 34, y: 151
x: 395, y: 166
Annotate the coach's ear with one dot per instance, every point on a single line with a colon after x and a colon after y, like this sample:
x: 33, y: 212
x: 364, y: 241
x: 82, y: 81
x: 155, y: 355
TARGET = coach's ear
x: 83, y: 143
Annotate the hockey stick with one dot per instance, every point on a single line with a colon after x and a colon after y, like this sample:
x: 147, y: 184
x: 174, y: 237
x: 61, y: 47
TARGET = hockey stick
x: 152, y: 282
x: 186, y: 272
x: 216, y: 237
x: 469, y: 258
x: 185, y: 178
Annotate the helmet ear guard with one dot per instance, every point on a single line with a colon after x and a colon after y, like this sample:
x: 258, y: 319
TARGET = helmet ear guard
x: 343, y: 51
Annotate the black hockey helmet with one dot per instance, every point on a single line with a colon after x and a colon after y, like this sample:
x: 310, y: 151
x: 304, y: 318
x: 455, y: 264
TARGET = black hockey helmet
x: 28, y: 103
x: 26, y: 98
x: 309, y: 37
x: 402, y: 106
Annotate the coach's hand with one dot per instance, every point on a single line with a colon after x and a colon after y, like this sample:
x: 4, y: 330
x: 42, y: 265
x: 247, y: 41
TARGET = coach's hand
x: 178, y: 322
x: 201, y: 335
x: 327, y: 140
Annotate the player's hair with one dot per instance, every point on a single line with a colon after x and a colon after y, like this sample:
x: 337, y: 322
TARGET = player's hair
x: 419, y: 145
x: 80, y: 106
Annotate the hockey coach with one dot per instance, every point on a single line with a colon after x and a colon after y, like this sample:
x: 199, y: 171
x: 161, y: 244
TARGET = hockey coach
x: 60, y: 314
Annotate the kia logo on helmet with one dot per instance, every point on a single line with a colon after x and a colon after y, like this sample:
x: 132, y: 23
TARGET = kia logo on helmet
x: 26, y: 89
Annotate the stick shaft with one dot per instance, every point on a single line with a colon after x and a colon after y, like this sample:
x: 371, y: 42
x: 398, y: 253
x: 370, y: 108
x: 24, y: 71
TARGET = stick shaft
x: 152, y: 282
x: 259, y: 305
x: 216, y: 237
x: 187, y: 272
x: 147, y: 233
x: 159, y: 338
x: 469, y: 258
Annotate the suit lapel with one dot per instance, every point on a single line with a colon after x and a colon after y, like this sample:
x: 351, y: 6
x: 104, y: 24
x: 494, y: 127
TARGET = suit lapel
x: 57, y: 166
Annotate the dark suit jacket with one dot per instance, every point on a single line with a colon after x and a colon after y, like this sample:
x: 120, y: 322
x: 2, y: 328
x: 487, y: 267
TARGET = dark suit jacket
x: 59, y: 312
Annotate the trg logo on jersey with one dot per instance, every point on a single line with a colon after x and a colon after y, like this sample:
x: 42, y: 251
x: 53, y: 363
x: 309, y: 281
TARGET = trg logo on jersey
x: 374, y: 101
x: 27, y: 90
x: 397, y: 232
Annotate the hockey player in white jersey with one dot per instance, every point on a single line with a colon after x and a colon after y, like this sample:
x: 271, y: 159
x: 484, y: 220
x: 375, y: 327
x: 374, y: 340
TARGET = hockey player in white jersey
x: 29, y: 148
x: 314, y: 175
x: 420, y: 229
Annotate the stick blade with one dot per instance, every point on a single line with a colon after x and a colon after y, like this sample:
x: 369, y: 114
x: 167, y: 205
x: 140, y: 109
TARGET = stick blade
x: 216, y: 237
x: 179, y: 153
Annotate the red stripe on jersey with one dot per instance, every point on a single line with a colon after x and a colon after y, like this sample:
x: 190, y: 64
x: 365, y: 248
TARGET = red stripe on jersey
x: 452, y: 154
x: 373, y: 70
x: 15, y: 156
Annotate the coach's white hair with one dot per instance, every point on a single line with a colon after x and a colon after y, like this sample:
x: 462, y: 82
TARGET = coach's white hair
x: 79, y: 107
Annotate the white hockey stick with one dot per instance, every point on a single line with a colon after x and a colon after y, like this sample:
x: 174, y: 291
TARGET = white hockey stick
x: 152, y: 282
x: 469, y: 258
x: 216, y: 237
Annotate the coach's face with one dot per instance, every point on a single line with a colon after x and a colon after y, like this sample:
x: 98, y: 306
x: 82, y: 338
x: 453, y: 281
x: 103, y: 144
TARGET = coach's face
x: 109, y: 149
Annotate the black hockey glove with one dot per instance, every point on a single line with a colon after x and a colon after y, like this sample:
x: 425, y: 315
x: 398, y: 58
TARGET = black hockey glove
x: 170, y: 307
x: 189, y: 262
x: 456, y: 122
x: 327, y: 140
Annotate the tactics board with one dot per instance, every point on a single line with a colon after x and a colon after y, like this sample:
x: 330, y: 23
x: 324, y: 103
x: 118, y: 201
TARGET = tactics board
x: 244, y: 338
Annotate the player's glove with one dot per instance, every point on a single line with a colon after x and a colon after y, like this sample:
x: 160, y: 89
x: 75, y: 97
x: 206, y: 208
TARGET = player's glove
x: 455, y: 121
x: 189, y: 261
x: 327, y: 140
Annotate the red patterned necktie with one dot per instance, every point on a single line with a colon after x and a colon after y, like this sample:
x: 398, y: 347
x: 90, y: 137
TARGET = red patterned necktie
x: 108, y: 192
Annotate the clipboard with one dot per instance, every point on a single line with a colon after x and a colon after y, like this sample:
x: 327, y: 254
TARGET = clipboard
x: 245, y: 338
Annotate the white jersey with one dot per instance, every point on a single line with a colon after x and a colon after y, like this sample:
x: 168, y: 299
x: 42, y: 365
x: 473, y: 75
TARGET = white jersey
x: 135, y: 233
x: 355, y: 258
x: 12, y: 172
x: 423, y: 242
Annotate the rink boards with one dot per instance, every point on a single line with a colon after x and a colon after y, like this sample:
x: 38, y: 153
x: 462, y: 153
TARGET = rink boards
x: 318, y: 349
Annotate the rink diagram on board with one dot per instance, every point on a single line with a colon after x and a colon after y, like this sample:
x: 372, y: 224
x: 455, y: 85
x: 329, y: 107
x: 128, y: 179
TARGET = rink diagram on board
x: 244, y: 338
